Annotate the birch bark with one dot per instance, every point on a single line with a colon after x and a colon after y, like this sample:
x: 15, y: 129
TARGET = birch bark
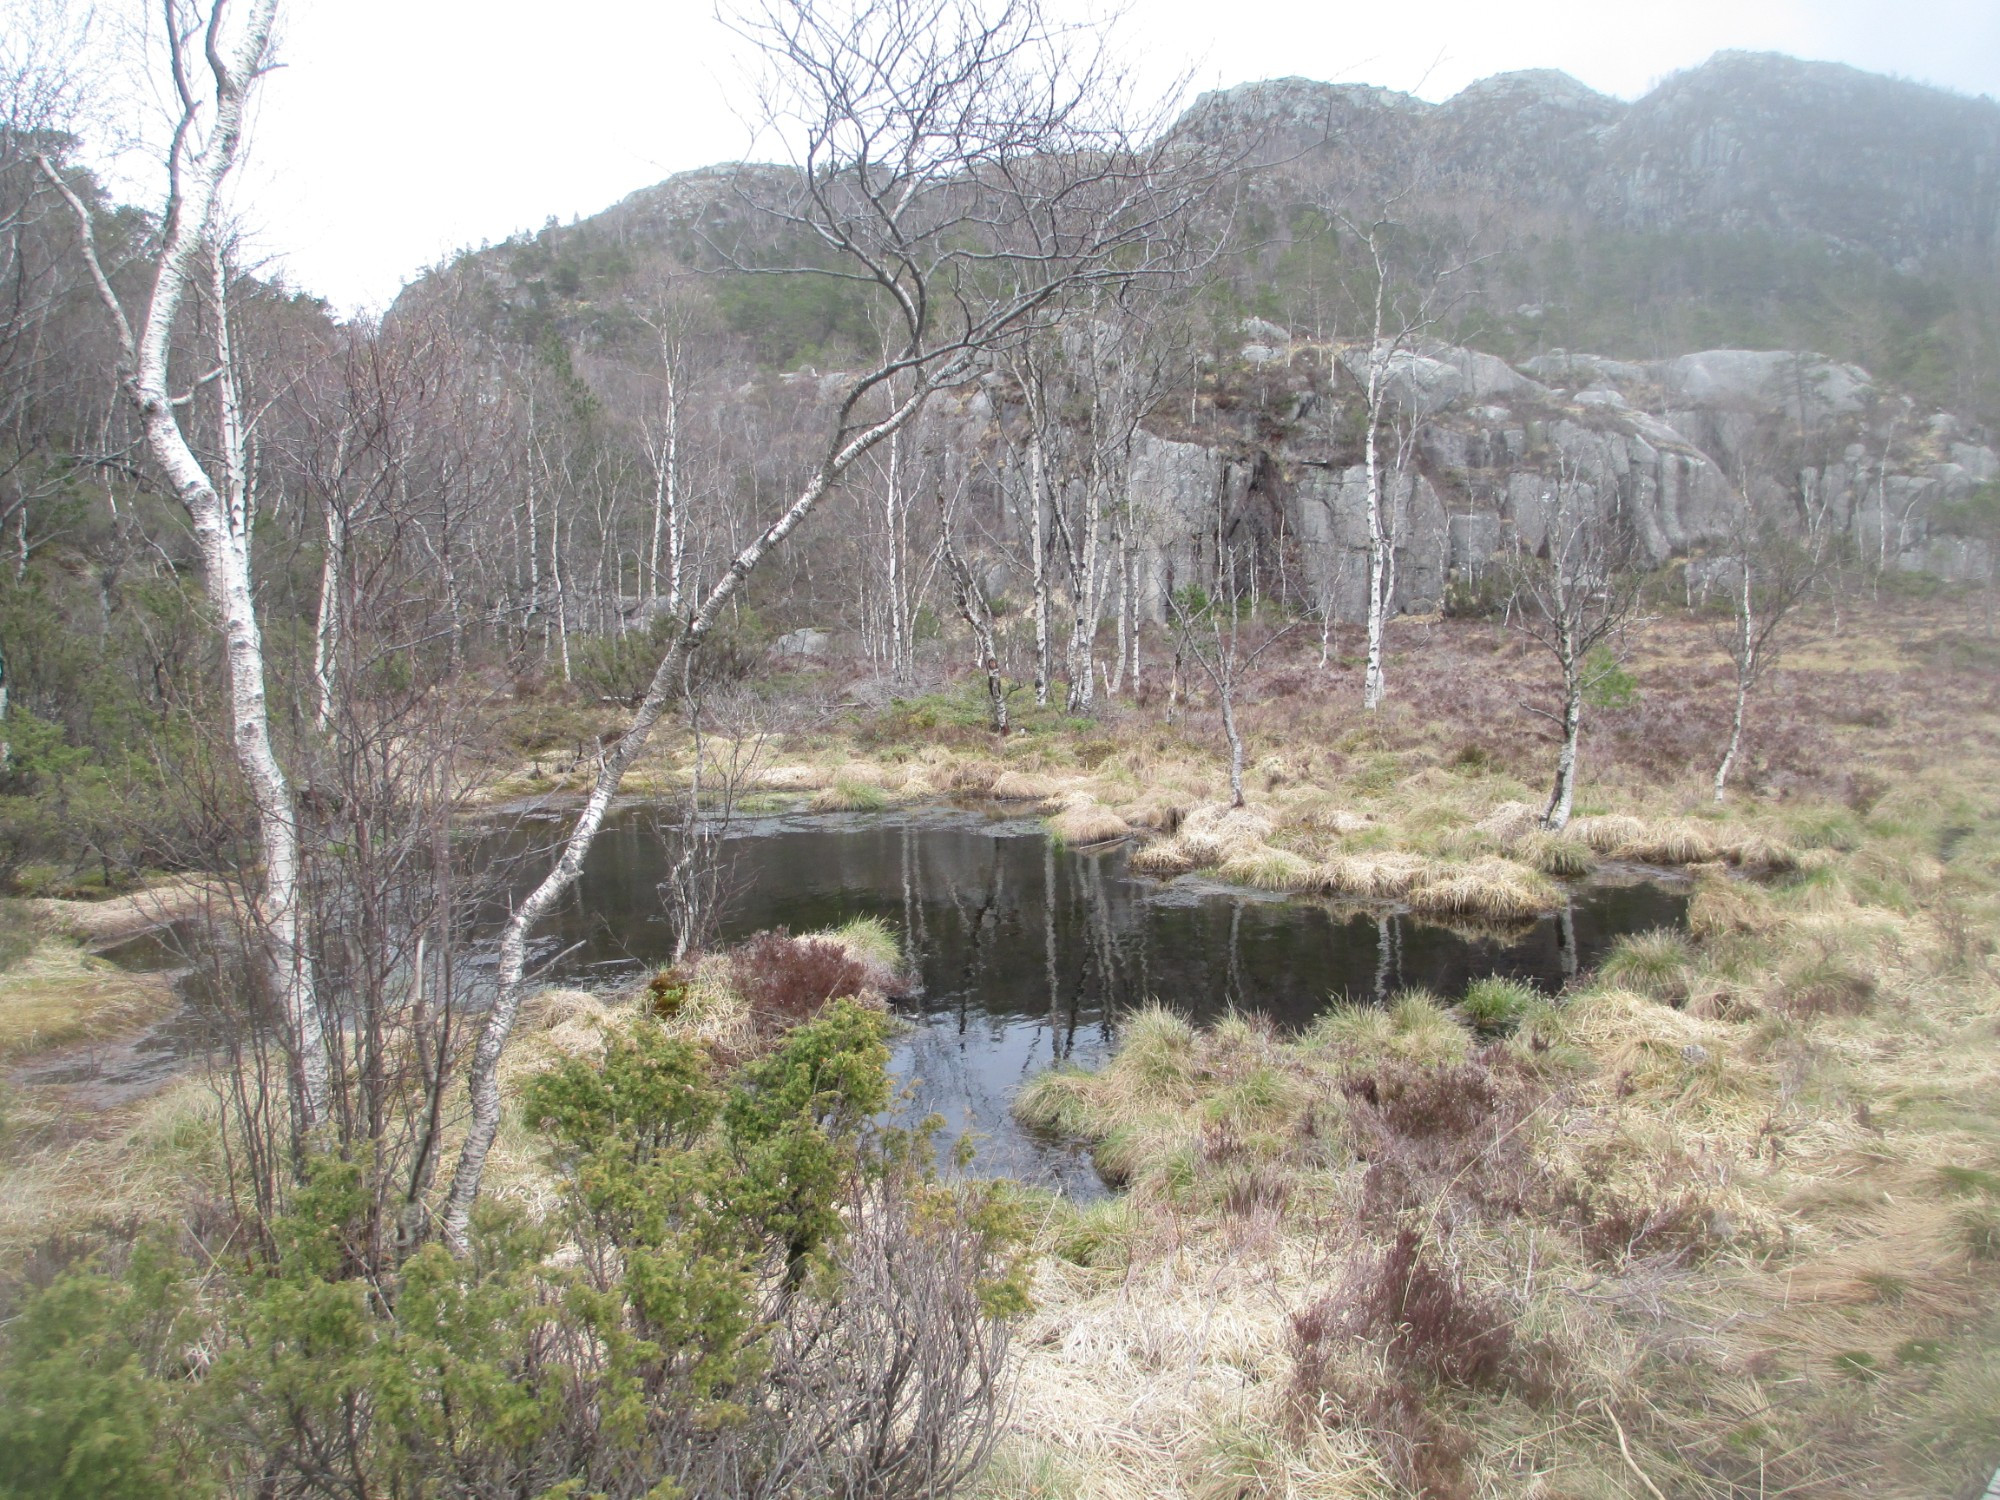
x: 483, y: 1078
x: 198, y: 162
x: 1746, y: 671
x: 1038, y: 544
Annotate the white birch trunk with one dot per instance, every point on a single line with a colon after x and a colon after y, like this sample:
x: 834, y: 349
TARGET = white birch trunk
x: 1562, y: 796
x: 898, y: 645
x: 1746, y: 669
x: 667, y: 494
x: 1038, y: 544
x: 326, y: 632
x: 326, y: 636
x: 198, y: 166
x: 556, y: 581
x: 483, y: 1076
x: 1089, y: 595
x: 1372, y: 686
x: 1228, y: 695
x: 1116, y: 681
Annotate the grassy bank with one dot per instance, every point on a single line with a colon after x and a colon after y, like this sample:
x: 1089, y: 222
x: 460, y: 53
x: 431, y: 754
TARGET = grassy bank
x: 1432, y: 801
x: 1722, y: 1220
x: 67, y: 1161
x: 1725, y: 1220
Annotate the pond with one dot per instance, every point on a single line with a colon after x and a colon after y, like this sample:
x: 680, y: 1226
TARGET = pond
x: 1030, y: 952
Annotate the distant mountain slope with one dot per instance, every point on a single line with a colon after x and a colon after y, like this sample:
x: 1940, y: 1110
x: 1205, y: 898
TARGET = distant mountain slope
x: 1745, y: 142
x: 1756, y: 201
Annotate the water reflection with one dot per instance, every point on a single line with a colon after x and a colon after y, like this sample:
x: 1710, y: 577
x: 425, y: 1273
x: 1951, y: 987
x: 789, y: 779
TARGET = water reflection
x: 1030, y: 953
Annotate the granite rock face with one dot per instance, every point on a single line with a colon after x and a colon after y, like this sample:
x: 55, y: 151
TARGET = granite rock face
x: 1671, y: 446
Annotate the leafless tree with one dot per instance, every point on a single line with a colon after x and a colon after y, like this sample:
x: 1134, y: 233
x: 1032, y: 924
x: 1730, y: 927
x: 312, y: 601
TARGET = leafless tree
x: 1029, y: 361
x: 1773, y: 575
x: 1210, y: 627
x: 1411, y: 286
x: 959, y: 160
x: 973, y: 607
x: 215, y: 61
x: 1576, y: 596
x: 728, y: 743
x: 1126, y: 365
x: 676, y: 322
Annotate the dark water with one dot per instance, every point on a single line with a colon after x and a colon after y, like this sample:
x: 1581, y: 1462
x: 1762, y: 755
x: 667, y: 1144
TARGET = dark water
x: 1029, y: 954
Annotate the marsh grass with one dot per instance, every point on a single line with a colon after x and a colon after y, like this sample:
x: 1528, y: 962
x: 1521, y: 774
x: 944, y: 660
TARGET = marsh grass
x: 1086, y: 823
x: 1269, y: 869
x: 848, y: 794
x: 1491, y: 887
x: 1659, y: 963
x: 56, y: 995
x: 1553, y: 854
x: 1498, y: 1005
x: 1751, y: 1137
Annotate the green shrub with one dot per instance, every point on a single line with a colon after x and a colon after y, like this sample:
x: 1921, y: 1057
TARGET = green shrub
x: 740, y: 1262
x: 88, y: 1402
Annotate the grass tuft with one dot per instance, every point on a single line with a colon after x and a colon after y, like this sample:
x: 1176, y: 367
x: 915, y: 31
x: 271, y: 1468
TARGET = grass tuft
x: 1498, y: 1005
x: 1659, y: 963
x: 1086, y: 823
x: 1485, y: 888
x: 1268, y: 869
x: 846, y: 795
x: 1022, y: 786
x: 1554, y: 854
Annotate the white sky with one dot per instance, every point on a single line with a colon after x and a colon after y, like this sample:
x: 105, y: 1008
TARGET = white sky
x: 400, y: 130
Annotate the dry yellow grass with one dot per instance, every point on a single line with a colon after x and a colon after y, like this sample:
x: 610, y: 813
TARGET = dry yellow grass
x: 1022, y: 786
x: 1083, y: 821
x: 1819, y: 1316
x: 1484, y: 888
x: 115, y: 917
x: 132, y: 1164
x: 1266, y: 869
x: 1164, y: 859
x: 793, y: 778
x: 60, y: 996
x: 1375, y: 877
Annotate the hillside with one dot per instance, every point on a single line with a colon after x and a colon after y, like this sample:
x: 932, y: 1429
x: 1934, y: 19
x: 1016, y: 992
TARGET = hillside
x: 1756, y: 201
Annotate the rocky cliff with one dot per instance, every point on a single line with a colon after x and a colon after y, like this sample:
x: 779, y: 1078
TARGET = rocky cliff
x: 1674, y: 444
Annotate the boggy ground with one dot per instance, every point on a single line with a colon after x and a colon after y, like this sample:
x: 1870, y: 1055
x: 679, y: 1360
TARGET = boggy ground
x: 1430, y: 802
x: 1722, y: 1220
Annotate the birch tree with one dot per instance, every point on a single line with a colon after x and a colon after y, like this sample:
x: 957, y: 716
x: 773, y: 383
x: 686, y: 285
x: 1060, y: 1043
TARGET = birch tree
x: 1774, y: 575
x: 1029, y: 363
x: 974, y: 608
x: 1403, y: 304
x: 215, y: 60
x: 958, y: 160
x: 1575, y: 596
x: 1125, y: 366
x: 675, y: 324
x: 1210, y: 628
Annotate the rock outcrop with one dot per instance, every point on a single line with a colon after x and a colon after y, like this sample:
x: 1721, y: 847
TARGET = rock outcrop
x: 1674, y: 445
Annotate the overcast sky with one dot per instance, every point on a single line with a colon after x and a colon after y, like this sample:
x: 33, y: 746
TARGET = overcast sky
x: 400, y: 130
